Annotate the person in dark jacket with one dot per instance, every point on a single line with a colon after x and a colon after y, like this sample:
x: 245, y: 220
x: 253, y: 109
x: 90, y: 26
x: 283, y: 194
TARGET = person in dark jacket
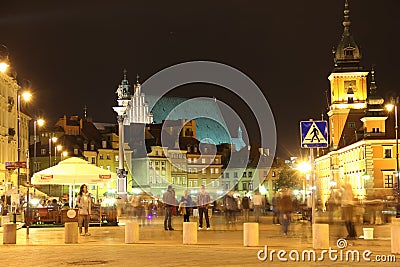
x: 245, y: 207
x: 169, y: 202
x: 286, y: 209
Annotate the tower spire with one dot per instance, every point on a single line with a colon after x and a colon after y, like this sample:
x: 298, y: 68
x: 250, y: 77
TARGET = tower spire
x: 347, y: 54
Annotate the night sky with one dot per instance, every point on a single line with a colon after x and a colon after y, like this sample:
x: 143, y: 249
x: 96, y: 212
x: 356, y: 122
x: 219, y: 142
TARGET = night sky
x: 73, y: 54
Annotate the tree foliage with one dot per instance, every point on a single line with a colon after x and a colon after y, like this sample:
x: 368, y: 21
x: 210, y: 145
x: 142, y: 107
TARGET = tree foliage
x: 287, y: 178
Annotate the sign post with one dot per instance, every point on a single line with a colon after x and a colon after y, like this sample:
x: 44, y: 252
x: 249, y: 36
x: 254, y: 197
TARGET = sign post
x: 313, y: 134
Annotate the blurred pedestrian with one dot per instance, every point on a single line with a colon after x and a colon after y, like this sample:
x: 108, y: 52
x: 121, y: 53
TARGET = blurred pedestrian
x: 286, y: 209
x: 230, y: 207
x: 84, y: 203
x: 203, y: 199
x: 169, y: 202
x: 347, y: 209
x: 245, y: 207
x: 257, y: 203
x: 185, y: 206
x: 275, y: 208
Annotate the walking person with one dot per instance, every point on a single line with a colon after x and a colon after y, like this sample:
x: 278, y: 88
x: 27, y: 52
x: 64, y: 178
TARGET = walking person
x: 169, y: 202
x: 84, y: 203
x: 257, y: 203
x: 275, y: 208
x: 203, y: 199
x: 185, y: 205
x: 245, y: 207
x: 347, y: 209
x: 286, y: 209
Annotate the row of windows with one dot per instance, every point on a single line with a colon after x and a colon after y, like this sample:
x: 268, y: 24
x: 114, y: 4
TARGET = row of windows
x: 235, y: 174
x: 245, y: 186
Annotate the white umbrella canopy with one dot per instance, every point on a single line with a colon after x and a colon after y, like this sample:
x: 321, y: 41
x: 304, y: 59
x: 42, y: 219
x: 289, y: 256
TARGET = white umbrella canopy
x: 73, y: 171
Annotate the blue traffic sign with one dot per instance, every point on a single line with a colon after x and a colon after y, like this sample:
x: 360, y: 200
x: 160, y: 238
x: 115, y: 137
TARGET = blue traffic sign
x: 314, y: 134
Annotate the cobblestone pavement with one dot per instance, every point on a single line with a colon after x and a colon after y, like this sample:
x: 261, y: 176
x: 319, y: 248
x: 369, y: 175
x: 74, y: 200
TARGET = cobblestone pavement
x: 221, y: 246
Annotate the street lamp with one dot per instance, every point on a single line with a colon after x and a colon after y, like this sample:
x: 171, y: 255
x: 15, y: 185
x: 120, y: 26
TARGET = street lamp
x: 26, y: 96
x: 394, y: 102
x: 305, y: 168
x: 38, y: 122
x: 57, y: 148
x: 52, y: 139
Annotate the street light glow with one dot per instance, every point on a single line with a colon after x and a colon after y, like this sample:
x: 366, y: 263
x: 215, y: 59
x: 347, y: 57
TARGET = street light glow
x: 304, y: 167
x: 26, y: 96
x: 389, y: 107
x: 40, y: 122
x: 3, y: 67
x: 54, y: 139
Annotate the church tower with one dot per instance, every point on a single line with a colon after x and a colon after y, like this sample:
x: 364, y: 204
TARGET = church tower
x: 348, y: 86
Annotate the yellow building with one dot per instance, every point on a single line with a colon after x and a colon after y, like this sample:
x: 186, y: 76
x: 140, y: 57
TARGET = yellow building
x: 10, y: 92
x: 362, y: 145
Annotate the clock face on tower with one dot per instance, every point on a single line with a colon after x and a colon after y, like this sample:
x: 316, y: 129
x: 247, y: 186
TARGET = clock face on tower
x: 350, y: 86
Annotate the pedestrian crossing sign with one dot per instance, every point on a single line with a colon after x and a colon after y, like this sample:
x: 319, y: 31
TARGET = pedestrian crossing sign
x: 314, y: 134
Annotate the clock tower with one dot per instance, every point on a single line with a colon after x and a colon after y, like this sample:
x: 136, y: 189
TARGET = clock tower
x: 348, y: 86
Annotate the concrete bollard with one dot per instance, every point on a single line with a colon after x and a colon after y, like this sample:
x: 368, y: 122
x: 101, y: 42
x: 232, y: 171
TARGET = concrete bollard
x: 9, y: 233
x: 250, y: 234
x: 395, y: 239
x: 189, y: 233
x: 320, y: 235
x: 131, y: 232
x: 71, y: 233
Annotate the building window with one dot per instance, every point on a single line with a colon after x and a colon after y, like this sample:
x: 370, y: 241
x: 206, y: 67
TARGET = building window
x: 244, y: 174
x: 235, y: 175
x: 101, y: 156
x: 92, y: 147
x: 244, y: 186
x: 195, y: 170
x: 250, y: 174
x: 227, y: 175
x: 93, y: 160
x: 183, y: 180
x: 388, y: 153
x: 173, y: 180
x: 108, y: 156
x: 108, y: 168
x: 195, y: 183
x: 190, y: 184
x: 150, y: 165
x: 75, y: 151
x: 204, y: 182
x: 203, y: 160
x: 212, y: 170
x: 388, y: 181
x: 250, y: 186
x: 195, y: 160
x: 216, y: 170
x: 352, y: 124
x: 43, y: 151
x: 203, y: 171
x: 222, y: 175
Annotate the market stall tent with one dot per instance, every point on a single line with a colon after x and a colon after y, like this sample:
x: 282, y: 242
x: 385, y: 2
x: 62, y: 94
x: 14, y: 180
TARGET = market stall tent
x: 73, y: 171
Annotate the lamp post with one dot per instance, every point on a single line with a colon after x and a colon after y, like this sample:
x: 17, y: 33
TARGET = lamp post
x: 26, y: 96
x: 38, y: 122
x: 56, y: 148
x: 305, y: 168
x: 394, y: 102
x: 52, y: 139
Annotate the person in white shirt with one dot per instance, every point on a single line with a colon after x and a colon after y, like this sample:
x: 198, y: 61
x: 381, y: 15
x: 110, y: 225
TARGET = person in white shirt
x: 257, y: 203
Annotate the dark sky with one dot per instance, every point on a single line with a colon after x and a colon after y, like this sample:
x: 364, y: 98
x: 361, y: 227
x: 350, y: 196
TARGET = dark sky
x: 73, y: 53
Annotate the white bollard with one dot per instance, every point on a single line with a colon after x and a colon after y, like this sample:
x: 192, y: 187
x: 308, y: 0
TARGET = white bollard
x: 189, y: 233
x: 320, y: 235
x: 250, y: 234
x: 368, y: 233
x: 71, y: 233
x: 9, y: 233
x: 131, y: 232
x: 395, y: 239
